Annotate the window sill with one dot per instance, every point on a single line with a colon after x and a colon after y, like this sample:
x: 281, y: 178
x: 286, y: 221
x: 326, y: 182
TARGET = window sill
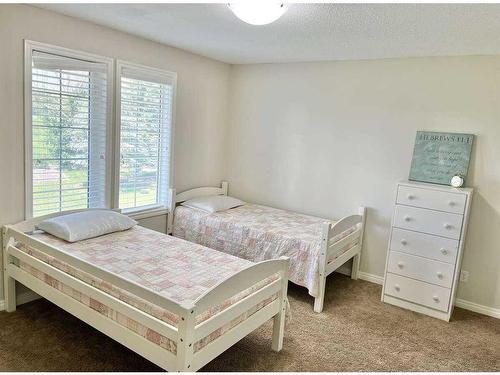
x: 148, y: 213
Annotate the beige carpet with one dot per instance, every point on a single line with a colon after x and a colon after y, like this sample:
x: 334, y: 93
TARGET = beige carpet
x: 356, y: 332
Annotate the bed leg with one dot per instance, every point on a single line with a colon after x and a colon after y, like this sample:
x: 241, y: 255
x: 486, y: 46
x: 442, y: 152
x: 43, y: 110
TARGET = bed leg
x: 323, y: 260
x: 357, y: 258
x: 170, y: 214
x: 9, y: 282
x: 279, y: 319
x: 278, y: 330
x: 185, y: 341
x: 318, y: 301
x: 10, y: 294
x: 355, y: 266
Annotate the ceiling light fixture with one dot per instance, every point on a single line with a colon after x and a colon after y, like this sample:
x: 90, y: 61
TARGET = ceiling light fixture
x: 258, y: 13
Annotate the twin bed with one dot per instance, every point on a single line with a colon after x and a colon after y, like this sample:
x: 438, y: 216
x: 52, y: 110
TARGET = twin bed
x: 180, y: 302
x: 176, y: 303
x: 315, y: 247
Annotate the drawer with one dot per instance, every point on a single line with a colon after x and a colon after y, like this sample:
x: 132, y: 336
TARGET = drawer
x: 428, y: 270
x: 426, y: 245
x: 432, y: 199
x: 433, y: 296
x: 428, y: 221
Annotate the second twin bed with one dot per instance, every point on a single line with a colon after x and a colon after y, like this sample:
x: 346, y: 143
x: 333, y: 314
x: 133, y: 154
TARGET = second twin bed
x: 315, y: 246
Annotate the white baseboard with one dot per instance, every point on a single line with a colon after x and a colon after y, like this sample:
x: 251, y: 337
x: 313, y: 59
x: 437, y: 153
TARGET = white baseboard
x: 467, y: 305
x: 481, y: 309
x: 2, y: 305
x: 371, y: 277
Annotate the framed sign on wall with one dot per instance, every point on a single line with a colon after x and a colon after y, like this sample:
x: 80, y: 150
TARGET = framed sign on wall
x: 437, y: 157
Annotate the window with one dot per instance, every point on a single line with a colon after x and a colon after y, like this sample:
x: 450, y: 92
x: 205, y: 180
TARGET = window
x: 144, y: 114
x: 68, y: 127
x: 67, y: 101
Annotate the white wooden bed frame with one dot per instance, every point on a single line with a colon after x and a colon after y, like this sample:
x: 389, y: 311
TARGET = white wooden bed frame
x: 187, y: 332
x: 329, y: 247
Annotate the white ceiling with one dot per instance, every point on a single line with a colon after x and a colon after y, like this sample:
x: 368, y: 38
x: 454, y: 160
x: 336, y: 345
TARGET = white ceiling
x: 307, y: 32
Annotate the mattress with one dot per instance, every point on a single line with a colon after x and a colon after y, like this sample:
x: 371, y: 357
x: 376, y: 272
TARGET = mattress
x: 176, y: 269
x: 256, y: 233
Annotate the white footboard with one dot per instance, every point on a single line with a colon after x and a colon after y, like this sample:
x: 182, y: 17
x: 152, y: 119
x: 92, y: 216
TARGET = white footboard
x: 228, y: 288
x: 333, y: 244
x: 187, y: 332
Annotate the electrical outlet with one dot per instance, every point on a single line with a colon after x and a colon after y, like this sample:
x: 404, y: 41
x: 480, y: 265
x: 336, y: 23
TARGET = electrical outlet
x: 464, y: 276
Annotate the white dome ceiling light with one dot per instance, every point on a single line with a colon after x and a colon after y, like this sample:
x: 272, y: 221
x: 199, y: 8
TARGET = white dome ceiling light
x: 258, y: 13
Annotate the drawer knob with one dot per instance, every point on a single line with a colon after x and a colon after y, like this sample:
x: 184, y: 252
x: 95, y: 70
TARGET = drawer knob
x: 397, y: 288
x: 435, y: 298
x: 404, y: 242
x: 439, y: 275
x: 401, y: 264
x: 411, y: 197
x: 448, y: 226
x: 407, y: 218
x: 444, y: 251
x: 451, y: 203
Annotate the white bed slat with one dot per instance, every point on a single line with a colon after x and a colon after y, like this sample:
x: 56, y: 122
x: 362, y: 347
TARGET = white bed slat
x: 240, y: 282
x: 126, y: 337
x: 141, y: 317
x: 338, y: 245
x: 235, y: 310
x: 337, y: 262
x: 234, y: 335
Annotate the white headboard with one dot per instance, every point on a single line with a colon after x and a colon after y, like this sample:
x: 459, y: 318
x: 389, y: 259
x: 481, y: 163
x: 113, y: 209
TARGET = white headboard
x: 203, y: 191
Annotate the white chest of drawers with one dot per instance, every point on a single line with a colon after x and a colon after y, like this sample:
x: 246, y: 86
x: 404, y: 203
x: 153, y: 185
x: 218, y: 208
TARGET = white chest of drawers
x: 425, y: 248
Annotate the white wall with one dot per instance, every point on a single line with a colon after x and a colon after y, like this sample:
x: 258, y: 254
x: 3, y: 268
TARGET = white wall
x: 202, y: 95
x: 323, y: 138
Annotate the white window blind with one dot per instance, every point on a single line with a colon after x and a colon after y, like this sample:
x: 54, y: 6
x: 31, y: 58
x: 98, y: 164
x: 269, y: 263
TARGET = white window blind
x: 145, y: 131
x: 68, y: 133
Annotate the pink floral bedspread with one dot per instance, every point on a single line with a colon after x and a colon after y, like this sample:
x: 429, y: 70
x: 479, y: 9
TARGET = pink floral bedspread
x: 259, y: 233
x: 179, y: 270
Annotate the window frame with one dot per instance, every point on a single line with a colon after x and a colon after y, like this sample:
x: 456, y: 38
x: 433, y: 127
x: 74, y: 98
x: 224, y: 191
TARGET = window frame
x: 157, y: 75
x: 29, y: 47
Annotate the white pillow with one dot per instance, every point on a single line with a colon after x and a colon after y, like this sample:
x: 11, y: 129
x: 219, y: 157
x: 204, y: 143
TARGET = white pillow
x: 213, y: 203
x: 86, y: 224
